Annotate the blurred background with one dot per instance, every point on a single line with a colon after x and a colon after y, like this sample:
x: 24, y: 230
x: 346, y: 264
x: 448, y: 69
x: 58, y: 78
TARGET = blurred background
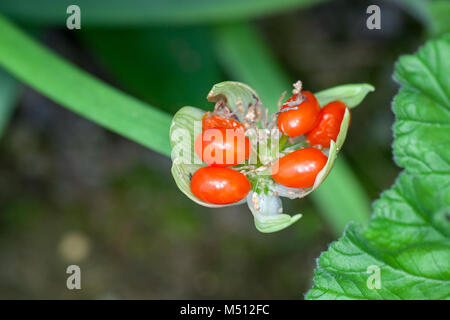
x: 72, y: 192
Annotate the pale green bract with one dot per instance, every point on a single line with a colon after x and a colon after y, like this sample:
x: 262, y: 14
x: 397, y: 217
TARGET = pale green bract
x: 405, y: 249
x: 233, y: 92
x: 350, y: 94
x: 268, y: 214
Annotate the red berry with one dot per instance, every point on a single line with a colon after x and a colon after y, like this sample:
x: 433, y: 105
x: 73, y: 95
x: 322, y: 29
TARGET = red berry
x: 301, y: 120
x: 210, y: 122
x: 222, y: 147
x: 329, y: 124
x: 219, y: 185
x: 299, y: 168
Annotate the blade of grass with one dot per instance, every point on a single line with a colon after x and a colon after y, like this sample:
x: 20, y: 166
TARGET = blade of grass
x: 151, y: 62
x: 80, y: 92
x: 9, y: 92
x: 144, y: 12
x: 241, y: 49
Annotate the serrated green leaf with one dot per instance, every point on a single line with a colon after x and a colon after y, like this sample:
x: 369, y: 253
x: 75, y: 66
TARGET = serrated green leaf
x: 423, y: 109
x: 350, y: 94
x: 343, y: 271
x: 408, y: 237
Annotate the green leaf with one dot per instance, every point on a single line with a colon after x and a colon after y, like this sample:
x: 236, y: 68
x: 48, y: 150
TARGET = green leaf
x: 408, y: 237
x: 166, y: 66
x: 422, y: 109
x: 9, y: 90
x: 350, y: 94
x: 243, y: 52
x: 144, y: 12
x: 80, y: 92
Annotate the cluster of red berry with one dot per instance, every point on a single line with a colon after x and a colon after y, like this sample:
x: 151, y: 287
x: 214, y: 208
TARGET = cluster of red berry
x: 300, y: 115
x: 218, y: 184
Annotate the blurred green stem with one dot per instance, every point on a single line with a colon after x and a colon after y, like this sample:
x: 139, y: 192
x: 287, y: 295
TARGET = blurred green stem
x: 241, y: 49
x: 144, y: 12
x: 80, y: 92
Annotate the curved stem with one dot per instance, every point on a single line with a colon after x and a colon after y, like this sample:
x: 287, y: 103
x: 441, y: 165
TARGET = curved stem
x: 80, y: 92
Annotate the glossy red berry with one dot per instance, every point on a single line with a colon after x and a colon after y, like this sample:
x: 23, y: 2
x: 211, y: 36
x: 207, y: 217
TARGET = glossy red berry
x: 214, y: 121
x: 219, y: 185
x: 301, y: 120
x: 222, y: 147
x: 299, y: 168
x: 328, y: 126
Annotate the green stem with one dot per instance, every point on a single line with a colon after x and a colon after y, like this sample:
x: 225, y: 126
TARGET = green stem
x: 144, y: 12
x: 340, y: 198
x: 80, y: 92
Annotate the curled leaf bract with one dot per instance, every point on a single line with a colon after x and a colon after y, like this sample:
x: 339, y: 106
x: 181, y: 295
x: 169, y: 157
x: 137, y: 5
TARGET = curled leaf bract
x: 268, y: 213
